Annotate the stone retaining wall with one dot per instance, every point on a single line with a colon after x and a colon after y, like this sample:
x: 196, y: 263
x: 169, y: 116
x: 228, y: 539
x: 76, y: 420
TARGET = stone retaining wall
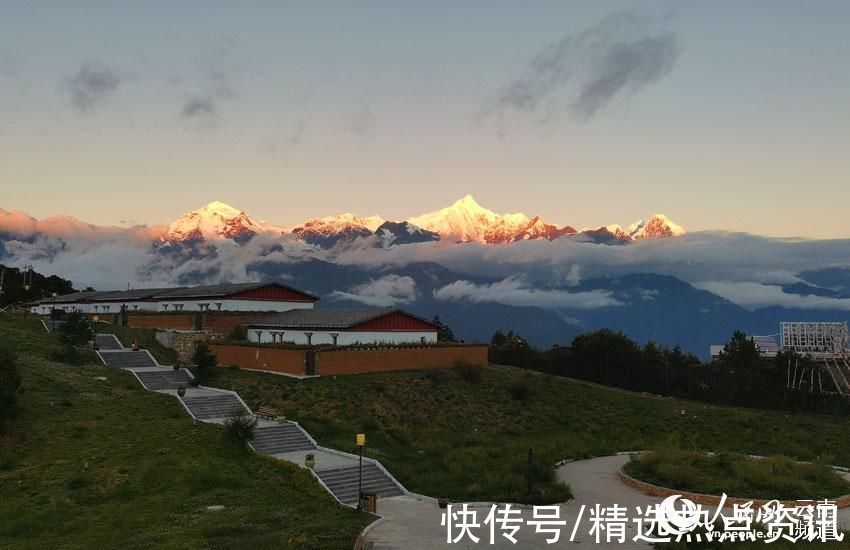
x: 706, y: 500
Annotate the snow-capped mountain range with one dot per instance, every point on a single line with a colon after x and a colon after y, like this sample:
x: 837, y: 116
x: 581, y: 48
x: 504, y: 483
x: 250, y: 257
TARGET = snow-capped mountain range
x: 463, y: 221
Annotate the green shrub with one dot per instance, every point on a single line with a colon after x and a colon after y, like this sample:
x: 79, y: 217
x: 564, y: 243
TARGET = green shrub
x: 519, y: 391
x: 75, y: 331
x: 239, y: 333
x: 435, y: 376
x: 10, y: 385
x: 205, y: 363
x: 470, y: 372
x: 240, y: 429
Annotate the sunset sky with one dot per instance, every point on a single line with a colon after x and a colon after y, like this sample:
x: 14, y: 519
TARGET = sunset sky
x: 722, y: 115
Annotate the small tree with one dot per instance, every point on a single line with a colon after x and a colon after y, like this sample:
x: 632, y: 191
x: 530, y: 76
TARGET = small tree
x: 76, y: 330
x: 740, y: 353
x: 444, y: 331
x: 10, y: 385
x: 240, y: 429
x: 205, y: 363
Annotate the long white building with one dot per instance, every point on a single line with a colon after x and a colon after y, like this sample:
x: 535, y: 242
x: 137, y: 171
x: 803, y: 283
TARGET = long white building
x: 264, y: 296
x: 343, y: 327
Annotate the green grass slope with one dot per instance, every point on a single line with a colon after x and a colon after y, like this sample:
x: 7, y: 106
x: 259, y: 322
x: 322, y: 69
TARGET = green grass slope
x: 442, y: 435
x: 96, y: 463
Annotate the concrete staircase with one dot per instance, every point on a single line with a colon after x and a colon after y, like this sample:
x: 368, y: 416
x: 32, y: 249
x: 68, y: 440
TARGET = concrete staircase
x: 164, y: 379
x: 281, y: 438
x: 214, y: 405
x: 107, y: 342
x: 286, y: 441
x: 127, y: 359
x: 343, y: 482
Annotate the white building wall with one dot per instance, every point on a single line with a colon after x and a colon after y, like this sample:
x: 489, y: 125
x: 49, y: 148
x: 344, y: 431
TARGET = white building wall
x: 344, y: 338
x: 177, y: 305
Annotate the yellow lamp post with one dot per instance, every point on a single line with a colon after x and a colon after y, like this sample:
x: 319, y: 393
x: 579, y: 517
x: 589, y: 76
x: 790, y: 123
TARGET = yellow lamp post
x: 53, y: 314
x: 361, y: 442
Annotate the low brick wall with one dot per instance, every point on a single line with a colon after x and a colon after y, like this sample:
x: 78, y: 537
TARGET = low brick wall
x: 707, y: 500
x: 288, y: 361
x: 217, y: 323
x: 359, y: 361
x: 346, y: 361
x: 224, y: 323
x: 164, y: 321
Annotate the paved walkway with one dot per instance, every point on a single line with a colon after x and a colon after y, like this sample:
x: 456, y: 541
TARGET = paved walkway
x: 414, y: 523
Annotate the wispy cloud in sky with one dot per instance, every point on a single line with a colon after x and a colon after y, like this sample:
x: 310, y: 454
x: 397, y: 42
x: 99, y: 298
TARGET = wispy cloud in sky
x: 362, y: 122
x: 617, y: 56
x: 217, y: 83
x: 91, y: 86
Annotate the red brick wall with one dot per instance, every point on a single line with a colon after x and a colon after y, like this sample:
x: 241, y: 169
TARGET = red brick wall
x: 348, y: 361
x: 389, y: 359
x: 225, y: 323
x: 165, y: 321
x: 213, y: 322
x: 289, y: 361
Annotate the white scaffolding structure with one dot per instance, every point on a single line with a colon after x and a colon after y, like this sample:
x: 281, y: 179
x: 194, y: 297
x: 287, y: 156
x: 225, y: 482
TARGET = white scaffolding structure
x: 819, y: 340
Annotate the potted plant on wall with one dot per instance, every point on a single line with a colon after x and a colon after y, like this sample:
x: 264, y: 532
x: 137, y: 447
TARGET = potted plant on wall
x: 310, y: 460
x: 181, y: 390
x: 135, y: 346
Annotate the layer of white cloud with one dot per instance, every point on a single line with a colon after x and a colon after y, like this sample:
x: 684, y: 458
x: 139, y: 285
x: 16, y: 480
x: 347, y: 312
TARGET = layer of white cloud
x: 513, y: 292
x: 389, y: 290
x: 756, y: 295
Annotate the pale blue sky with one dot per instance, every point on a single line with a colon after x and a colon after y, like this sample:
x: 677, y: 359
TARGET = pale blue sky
x: 306, y: 109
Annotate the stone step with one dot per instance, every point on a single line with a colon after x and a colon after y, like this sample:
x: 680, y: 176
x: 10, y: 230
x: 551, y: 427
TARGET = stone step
x: 165, y: 379
x: 127, y: 359
x: 108, y: 342
x: 282, y: 438
x: 344, y: 483
x: 205, y: 407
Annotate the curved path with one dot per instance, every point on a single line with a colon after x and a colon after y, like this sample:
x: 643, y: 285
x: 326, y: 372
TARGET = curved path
x: 414, y: 524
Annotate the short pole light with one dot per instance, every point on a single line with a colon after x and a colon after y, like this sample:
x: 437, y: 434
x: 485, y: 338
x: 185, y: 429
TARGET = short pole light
x: 361, y: 442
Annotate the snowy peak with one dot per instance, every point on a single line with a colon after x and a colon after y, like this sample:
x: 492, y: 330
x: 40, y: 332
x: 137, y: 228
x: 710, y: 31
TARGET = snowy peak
x: 466, y: 220
x: 657, y: 226
x: 390, y: 233
x: 216, y: 220
x: 328, y: 231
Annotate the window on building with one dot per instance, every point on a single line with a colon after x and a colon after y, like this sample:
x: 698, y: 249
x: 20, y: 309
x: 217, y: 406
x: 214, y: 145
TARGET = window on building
x: 309, y: 336
x: 334, y: 336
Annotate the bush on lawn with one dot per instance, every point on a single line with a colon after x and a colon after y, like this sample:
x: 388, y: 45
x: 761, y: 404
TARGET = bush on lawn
x: 240, y: 429
x: 10, y: 385
x: 205, y: 363
x: 470, y: 372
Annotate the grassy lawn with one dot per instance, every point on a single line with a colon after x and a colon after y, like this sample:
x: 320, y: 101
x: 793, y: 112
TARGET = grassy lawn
x: 443, y: 435
x: 738, y: 476
x: 100, y: 463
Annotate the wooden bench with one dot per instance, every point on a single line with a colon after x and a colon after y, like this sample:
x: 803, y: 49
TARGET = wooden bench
x: 266, y: 412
